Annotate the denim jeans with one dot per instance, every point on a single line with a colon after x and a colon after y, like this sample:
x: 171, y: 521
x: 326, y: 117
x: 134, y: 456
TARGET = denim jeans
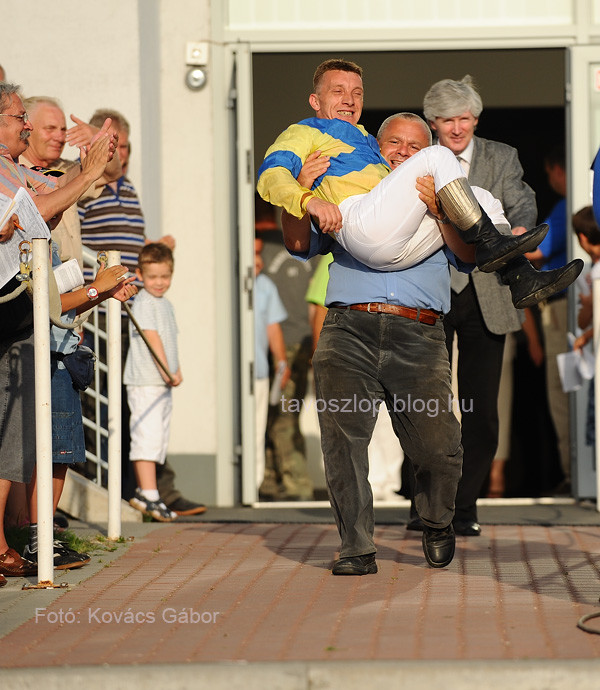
x: 17, y: 408
x: 67, y: 423
x: 363, y: 359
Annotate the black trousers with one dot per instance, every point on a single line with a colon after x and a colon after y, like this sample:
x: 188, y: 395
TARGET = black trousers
x: 478, y: 374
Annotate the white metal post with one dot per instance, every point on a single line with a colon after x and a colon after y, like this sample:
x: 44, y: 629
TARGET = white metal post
x: 113, y: 360
x: 596, y: 323
x: 43, y: 410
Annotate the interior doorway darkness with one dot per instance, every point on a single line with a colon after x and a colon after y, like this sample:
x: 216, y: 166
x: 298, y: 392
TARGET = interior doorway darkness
x: 532, y: 131
x: 523, y: 107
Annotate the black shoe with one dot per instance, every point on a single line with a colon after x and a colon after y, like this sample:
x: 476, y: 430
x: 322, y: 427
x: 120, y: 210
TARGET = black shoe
x: 415, y: 525
x: 496, y: 250
x: 65, y: 558
x: 438, y: 545
x: 182, y: 506
x: 355, y: 565
x: 467, y: 528
x: 529, y: 286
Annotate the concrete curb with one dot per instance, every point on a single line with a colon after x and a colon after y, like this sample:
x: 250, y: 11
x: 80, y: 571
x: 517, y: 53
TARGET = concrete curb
x: 404, y: 675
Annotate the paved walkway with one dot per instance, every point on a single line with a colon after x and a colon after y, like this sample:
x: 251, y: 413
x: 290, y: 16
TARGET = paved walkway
x: 263, y: 592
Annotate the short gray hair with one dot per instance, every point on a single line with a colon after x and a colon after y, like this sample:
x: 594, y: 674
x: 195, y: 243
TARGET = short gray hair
x: 6, y: 91
x: 118, y: 120
x: 405, y: 116
x: 33, y: 102
x: 449, y: 98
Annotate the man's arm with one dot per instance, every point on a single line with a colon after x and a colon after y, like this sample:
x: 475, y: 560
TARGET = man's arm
x: 92, y: 167
x: 283, y: 162
x: 69, y: 192
x: 505, y: 175
x: 277, y: 347
x: 296, y: 232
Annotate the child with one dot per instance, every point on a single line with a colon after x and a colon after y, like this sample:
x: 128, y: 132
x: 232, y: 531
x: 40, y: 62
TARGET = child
x: 148, y: 386
x: 588, y: 234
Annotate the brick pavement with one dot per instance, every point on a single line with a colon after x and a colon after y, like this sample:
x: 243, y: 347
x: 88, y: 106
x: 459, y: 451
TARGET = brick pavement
x: 201, y: 592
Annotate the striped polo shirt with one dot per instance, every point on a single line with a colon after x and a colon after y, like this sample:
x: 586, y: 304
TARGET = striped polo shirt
x: 113, y: 221
x: 13, y: 175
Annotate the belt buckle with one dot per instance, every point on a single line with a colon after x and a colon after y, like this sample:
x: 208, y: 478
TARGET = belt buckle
x: 369, y: 307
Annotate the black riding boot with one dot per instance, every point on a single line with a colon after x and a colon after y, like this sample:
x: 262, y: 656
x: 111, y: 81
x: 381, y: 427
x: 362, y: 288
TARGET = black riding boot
x: 529, y: 286
x: 493, y: 250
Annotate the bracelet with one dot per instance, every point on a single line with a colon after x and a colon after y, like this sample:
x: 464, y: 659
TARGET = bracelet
x: 444, y: 221
x: 306, y: 197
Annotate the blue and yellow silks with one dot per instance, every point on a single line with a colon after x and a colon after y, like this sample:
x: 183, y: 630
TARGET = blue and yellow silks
x: 356, y: 165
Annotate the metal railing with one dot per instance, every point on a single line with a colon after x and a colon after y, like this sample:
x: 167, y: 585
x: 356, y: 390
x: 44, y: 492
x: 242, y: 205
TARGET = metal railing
x: 103, y: 398
x: 95, y: 398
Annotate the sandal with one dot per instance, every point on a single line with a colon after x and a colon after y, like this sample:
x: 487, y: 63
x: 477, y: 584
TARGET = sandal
x: 3, y: 580
x: 18, y: 568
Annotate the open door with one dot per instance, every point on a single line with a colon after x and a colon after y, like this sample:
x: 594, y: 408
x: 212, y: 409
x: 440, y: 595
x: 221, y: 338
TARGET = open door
x: 245, y: 223
x: 583, y: 137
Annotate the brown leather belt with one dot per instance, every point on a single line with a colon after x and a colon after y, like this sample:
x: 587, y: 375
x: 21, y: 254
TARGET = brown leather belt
x: 423, y: 315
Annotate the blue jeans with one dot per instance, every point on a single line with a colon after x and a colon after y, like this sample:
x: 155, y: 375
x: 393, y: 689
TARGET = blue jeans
x: 361, y: 360
x: 67, y: 423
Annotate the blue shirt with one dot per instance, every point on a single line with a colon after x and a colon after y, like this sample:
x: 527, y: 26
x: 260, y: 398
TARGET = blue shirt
x: 63, y: 340
x: 554, y: 245
x: 268, y: 309
x: 596, y: 187
x: 425, y: 285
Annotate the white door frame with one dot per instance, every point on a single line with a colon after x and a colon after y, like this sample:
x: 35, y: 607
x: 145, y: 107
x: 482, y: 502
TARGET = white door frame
x: 583, y: 138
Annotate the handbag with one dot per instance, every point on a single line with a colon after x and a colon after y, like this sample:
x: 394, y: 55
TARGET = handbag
x: 80, y: 365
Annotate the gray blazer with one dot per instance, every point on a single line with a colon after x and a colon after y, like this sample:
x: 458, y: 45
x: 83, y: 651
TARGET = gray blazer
x: 496, y: 167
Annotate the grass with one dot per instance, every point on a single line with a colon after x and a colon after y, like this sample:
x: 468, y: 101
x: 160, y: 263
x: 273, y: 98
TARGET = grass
x: 18, y: 538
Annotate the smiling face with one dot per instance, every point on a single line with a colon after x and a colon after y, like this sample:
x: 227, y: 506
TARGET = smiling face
x: 455, y: 132
x: 339, y: 95
x: 14, y: 133
x: 48, y: 136
x: 156, y: 277
x: 401, y: 139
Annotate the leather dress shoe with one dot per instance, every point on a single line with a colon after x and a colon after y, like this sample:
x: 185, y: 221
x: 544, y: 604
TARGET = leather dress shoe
x: 467, y: 528
x: 438, y: 545
x: 415, y: 525
x: 355, y: 565
x: 19, y: 566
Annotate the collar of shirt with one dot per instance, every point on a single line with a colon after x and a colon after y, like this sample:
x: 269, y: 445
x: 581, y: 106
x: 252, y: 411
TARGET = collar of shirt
x: 466, y: 156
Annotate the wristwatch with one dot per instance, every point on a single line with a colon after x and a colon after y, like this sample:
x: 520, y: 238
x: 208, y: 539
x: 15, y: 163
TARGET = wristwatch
x: 91, y: 292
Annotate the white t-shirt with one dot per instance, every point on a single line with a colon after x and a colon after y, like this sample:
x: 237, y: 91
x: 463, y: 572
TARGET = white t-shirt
x: 154, y: 314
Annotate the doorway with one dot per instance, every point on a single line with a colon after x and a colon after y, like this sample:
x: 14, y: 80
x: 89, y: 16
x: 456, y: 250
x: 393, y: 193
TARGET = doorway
x: 523, y: 92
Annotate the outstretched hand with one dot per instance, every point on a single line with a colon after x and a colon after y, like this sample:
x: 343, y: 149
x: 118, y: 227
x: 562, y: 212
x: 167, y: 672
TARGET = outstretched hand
x: 124, y: 290
x: 109, y: 278
x: 81, y: 134
x: 95, y: 157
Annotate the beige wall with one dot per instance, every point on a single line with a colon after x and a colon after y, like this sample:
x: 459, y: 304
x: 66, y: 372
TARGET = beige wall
x: 131, y: 56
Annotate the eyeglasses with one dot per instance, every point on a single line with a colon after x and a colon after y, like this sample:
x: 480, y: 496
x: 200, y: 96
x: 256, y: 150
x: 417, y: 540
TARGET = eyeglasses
x: 24, y: 117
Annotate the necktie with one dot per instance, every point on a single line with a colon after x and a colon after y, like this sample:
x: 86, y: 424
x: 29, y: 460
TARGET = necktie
x: 458, y: 280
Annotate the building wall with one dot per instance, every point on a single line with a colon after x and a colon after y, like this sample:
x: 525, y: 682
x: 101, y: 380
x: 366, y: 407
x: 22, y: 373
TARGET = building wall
x: 130, y: 55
